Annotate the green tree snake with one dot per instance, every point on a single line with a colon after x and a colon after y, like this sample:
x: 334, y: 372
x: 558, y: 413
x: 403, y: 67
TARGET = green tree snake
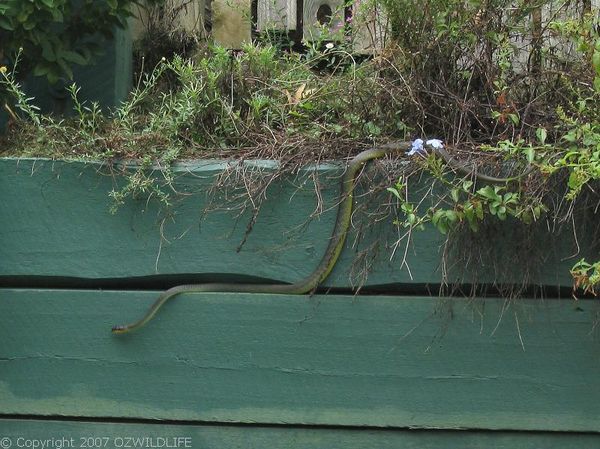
x: 336, y: 243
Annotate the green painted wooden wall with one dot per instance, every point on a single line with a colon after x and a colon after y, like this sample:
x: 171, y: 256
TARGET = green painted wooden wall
x: 70, y: 233
x: 399, y: 369
x: 260, y: 437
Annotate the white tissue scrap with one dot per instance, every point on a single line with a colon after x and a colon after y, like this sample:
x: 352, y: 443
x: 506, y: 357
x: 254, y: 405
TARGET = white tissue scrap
x: 418, y: 148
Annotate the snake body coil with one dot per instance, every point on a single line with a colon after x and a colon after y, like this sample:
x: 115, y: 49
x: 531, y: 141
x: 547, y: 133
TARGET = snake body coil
x: 336, y: 243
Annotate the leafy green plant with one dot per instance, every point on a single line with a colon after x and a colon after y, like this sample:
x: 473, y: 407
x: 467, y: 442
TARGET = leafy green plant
x: 586, y: 276
x: 23, y: 103
x: 234, y: 101
x: 463, y: 59
x: 582, y: 137
x: 89, y: 117
x: 54, y: 35
x: 462, y: 204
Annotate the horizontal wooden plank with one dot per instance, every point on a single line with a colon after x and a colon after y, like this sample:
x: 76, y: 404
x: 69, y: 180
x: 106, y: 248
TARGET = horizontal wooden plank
x: 54, y: 221
x: 410, y: 362
x: 113, y: 435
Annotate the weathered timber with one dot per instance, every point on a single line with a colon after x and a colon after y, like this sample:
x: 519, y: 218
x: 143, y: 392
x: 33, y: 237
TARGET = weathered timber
x: 407, y: 362
x: 55, y: 222
x: 97, y: 434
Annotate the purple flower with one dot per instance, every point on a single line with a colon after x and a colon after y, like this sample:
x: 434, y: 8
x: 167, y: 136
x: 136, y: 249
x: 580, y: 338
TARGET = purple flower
x: 417, y: 148
x: 435, y: 143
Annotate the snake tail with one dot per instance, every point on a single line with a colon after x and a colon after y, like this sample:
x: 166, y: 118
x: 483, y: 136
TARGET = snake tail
x: 320, y: 273
x: 336, y: 242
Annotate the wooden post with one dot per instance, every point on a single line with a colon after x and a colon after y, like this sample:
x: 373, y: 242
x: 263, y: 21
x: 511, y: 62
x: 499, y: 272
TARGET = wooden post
x: 535, y: 64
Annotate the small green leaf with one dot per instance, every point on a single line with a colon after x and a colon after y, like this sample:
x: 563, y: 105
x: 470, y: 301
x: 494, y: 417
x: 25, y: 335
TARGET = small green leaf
x: 471, y: 219
x: 596, y: 61
x: 306, y: 105
x: 530, y: 154
x: 23, y: 16
x: 574, y: 180
x: 40, y: 69
x: 52, y: 76
x: 29, y: 25
x: 6, y: 25
x: 454, y: 194
x: 65, y: 67
x: 541, y: 135
x: 48, y: 52
x: 442, y: 226
x: 581, y: 265
x: 571, y: 136
x: 74, y: 57
x: 488, y: 192
x: 394, y: 192
x: 57, y: 15
x: 479, y: 210
x: 451, y: 216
